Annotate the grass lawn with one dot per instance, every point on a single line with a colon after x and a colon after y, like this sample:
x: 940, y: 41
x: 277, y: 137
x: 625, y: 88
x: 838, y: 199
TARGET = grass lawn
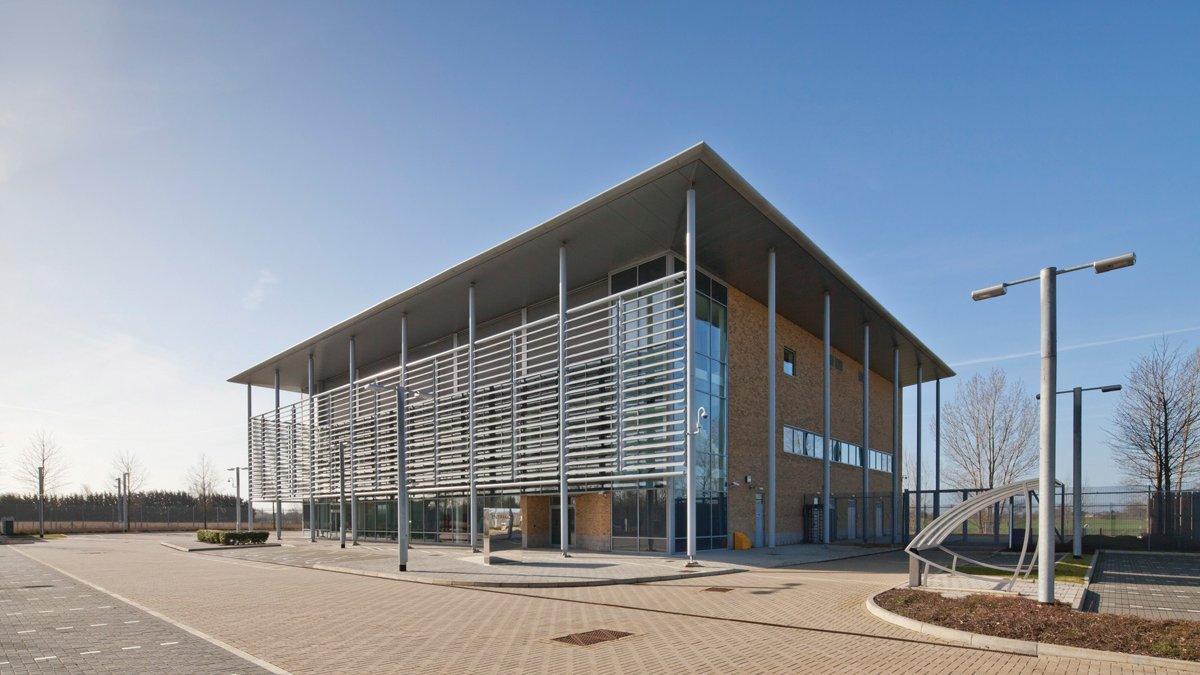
x: 1025, y: 619
x: 1068, y: 569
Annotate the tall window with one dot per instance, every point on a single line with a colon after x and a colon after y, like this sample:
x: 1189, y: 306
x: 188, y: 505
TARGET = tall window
x: 789, y: 361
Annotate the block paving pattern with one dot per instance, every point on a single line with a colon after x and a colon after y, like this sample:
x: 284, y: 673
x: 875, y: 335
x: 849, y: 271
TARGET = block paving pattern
x: 803, y: 619
x: 1151, y: 585
x: 52, y: 623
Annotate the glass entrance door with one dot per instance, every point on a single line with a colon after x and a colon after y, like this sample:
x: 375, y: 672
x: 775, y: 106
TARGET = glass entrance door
x: 555, y: 513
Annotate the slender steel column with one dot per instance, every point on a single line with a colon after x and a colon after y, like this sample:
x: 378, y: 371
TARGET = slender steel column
x: 312, y: 449
x: 42, y: 501
x: 826, y: 427
x: 897, y: 457
x: 402, y: 513
x: 471, y: 413
x: 865, y: 456
x: 689, y: 375
x: 125, y: 477
x: 563, y: 499
x: 1049, y: 340
x: 249, y: 457
x: 342, y: 492
x: 619, y: 350
x: 278, y: 486
x: 920, y: 386
x: 118, y: 518
x: 237, y: 499
x: 772, y: 366
x: 1077, y: 473
x: 353, y: 447
x: 937, y: 447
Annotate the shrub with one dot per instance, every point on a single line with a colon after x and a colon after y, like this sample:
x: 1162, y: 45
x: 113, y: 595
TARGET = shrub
x: 231, y: 538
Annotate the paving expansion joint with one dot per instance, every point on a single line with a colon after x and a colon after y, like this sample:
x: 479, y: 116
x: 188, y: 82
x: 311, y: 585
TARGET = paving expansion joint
x: 158, y: 615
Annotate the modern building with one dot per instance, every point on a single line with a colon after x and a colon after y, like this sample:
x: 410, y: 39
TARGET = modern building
x: 571, y: 368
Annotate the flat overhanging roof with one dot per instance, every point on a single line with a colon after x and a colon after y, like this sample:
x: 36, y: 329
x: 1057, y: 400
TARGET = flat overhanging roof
x: 642, y: 216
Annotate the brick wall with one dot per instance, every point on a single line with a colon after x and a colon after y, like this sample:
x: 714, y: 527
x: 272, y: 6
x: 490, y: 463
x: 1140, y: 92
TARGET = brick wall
x: 535, y: 521
x: 798, y: 403
x: 593, y: 521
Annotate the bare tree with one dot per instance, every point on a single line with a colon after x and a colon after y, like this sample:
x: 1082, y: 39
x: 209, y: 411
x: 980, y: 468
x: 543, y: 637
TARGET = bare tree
x: 989, y: 432
x: 1156, y: 433
x: 44, y: 452
x: 127, y: 462
x: 202, y: 483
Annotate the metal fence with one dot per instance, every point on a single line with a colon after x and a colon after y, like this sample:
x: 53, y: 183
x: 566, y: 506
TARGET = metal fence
x: 154, y: 511
x: 1124, y: 517
x: 624, y: 357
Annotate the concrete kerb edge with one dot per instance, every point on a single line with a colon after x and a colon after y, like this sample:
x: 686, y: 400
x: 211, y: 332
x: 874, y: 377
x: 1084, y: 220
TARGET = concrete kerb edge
x: 826, y: 560
x: 1025, y: 647
x: 396, y: 576
x: 216, y: 547
x: 261, y: 663
x: 1087, y: 580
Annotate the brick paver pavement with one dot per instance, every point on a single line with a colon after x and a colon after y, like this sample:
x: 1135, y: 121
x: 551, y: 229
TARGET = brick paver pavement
x: 1153, y: 585
x: 52, y: 623
x: 808, y: 619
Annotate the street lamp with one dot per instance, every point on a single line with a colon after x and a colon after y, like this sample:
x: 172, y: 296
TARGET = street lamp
x: 401, y: 392
x: 1077, y: 461
x: 1049, y: 380
x: 237, y: 496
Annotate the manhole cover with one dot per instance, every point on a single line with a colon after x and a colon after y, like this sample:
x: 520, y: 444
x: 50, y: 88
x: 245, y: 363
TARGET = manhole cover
x: 717, y: 589
x: 592, y: 637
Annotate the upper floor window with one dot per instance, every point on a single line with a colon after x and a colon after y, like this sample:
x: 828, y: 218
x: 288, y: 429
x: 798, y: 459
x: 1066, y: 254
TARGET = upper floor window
x: 789, y: 361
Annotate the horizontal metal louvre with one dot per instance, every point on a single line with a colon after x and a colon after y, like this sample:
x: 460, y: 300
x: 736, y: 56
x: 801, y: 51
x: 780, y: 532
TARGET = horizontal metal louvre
x: 624, y: 413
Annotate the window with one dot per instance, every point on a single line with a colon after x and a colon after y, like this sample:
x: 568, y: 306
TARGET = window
x: 810, y: 444
x: 789, y: 362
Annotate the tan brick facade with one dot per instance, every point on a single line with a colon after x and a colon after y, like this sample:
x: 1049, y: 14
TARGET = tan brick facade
x: 535, y: 521
x: 593, y: 521
x: 798, y: 403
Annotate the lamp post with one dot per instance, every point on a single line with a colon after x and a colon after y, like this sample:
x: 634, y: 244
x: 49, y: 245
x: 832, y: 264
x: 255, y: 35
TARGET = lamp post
x: 237, y: 496
x: 1077, y: 461
x: 1049, y: 355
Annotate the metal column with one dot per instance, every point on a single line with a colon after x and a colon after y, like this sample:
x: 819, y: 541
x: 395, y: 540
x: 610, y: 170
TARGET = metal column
x: 920, y: 386
x: 312, y: 450
x: 237, y: 499
x: 1077, y: 473
x: 249, y: 457
x: 865, y: 456
x: 564, y: 513
x: 937, y: 447
x: 278, y: 503
x: 402, y: 449
x: 689, y: 316
x: 342, y: 492
x: 353, y: 449
x: 474, y: 519
x: 826, y: 424
x: 1049, y: 383
x: 897, y: 458
x: 772, y: 366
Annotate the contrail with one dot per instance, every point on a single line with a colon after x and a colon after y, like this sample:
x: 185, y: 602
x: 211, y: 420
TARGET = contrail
x: 1081, y: 345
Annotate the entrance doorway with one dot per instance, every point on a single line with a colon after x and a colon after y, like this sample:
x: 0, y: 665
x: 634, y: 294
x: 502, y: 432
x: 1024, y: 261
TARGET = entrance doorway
x: 555, y: 520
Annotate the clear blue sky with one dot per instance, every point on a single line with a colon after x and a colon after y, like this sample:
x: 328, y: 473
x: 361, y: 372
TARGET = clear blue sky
x: 187, y: 188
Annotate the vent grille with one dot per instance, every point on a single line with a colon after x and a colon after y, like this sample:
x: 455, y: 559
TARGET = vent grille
x: 592, y: 637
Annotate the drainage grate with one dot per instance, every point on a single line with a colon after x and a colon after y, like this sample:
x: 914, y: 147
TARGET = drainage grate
x: 717, y: 589
x: 592, y: 637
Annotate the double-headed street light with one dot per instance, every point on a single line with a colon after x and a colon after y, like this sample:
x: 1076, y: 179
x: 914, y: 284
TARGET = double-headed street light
x: 1049, y: 381
x: 1077, y: 461
x: 237, y: 495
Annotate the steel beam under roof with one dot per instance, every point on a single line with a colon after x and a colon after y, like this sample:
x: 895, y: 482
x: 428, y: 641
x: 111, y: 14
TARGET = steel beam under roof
x: 637, y: 218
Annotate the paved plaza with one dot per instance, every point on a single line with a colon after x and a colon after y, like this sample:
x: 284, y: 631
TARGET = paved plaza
x: 50, y: 622
x: 1153, y: 585
x: 807, y: 618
